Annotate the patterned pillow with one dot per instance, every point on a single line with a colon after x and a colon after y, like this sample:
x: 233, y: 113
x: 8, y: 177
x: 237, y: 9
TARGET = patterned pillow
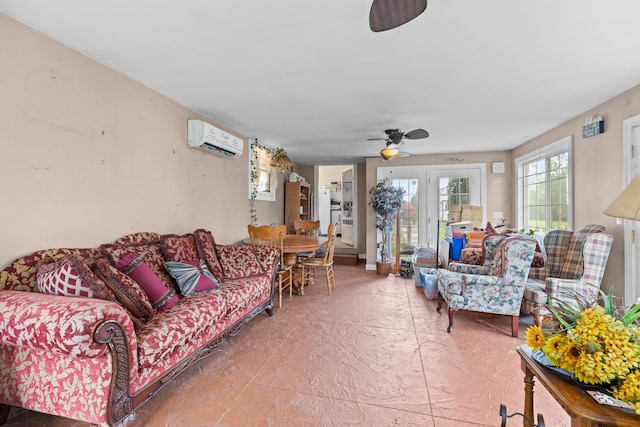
x: 178, y: 248
x: 71, y: 277
x: 206, y: 246
x: 161, y: 297
x: 193, y: 276
x: 126, y: 290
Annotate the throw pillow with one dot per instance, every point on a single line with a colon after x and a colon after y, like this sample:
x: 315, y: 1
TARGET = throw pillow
x: 193, y: 276
x: 206, y: 246
x: 161, y: 297
x: 127, y: 291
x: 71, y: 277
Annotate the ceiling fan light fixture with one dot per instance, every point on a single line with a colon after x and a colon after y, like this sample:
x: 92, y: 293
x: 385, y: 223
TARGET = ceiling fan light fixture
x: 389, y: 152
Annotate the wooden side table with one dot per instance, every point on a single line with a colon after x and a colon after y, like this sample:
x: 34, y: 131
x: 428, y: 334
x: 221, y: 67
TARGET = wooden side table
x: 583, y: 410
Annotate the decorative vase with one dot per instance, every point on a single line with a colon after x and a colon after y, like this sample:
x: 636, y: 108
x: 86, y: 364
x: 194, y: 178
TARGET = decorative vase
x: 383, y: 268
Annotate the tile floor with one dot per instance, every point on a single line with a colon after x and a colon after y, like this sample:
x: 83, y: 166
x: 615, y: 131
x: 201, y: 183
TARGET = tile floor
x: 375, y: 353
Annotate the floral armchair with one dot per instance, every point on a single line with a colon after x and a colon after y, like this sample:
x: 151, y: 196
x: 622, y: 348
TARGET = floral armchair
x: 490, y: 246
x: 499, y: 290
x: 575, y: 265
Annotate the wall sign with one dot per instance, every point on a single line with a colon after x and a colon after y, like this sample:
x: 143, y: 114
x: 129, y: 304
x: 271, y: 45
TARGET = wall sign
x: 593, y: 128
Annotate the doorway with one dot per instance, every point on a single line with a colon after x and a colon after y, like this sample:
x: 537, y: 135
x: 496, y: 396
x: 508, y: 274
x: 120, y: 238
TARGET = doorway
x: 432, y: 189
x: 336, y: 202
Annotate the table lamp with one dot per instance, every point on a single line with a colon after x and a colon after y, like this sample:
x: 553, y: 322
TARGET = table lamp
x: 627, y: 205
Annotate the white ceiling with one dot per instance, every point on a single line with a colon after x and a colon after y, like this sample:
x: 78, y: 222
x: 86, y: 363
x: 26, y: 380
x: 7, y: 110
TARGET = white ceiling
x: 310, y: 76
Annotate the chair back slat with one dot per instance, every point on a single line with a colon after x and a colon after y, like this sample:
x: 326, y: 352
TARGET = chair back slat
x: 306, y: 227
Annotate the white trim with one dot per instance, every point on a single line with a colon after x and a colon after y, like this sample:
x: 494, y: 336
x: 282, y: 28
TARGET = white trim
x: 560, y: 146
x: 631, y: 293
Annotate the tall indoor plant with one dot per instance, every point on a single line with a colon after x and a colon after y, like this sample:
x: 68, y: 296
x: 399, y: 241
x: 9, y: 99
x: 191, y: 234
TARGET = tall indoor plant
x: 386, y: 201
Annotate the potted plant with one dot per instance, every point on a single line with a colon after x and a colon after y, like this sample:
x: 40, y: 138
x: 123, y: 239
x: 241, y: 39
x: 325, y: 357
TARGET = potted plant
x: 386, y: 201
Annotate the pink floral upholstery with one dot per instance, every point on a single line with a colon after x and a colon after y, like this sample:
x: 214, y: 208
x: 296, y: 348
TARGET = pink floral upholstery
x: 239, y: 261
x: 241, y: 293
x: 20, y: 275
x: 206, y: 246
x: 81, y: 358
x: 179, y: 248
x: 163, y: 333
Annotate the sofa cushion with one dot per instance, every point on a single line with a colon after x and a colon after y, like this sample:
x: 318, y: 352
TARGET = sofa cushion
x: 140, y: 237
x: 126, y: 290
x: 206, y: 247
x: 171, y: 329
x: 70, y: 277
x: 239, y: 261
x: 193, y: 276
x: 179, y: 248
x: 241, y: 293
x: 134, y: 265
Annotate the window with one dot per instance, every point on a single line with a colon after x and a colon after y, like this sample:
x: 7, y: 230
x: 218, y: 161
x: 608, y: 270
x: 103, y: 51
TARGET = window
x: 544, y: 190
x: 265, y: 179
x: 409, y: 226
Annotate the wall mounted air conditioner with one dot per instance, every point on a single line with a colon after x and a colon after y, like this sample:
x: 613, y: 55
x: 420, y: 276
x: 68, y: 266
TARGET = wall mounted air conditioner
x: 209, y: 138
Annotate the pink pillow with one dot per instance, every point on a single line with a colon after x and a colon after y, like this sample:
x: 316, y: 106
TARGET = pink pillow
x: 161, y: 297
x: 127, y: 291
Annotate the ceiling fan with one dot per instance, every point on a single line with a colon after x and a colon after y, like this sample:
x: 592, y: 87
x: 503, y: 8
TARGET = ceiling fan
x: 395, y: 138
x: 388, y: 14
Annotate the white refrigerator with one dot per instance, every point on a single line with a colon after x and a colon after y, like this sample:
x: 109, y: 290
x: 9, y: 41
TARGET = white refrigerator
x: 324, y: 206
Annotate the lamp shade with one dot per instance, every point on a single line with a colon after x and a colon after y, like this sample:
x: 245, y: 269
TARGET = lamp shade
x: 281, y: 161
x: 627, y: 205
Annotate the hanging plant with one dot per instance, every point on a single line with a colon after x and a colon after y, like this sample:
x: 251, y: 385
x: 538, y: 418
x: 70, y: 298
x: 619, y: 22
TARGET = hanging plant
x: 253, y: 174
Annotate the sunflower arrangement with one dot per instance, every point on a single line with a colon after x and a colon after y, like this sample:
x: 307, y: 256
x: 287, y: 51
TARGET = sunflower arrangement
x: 597, y: 344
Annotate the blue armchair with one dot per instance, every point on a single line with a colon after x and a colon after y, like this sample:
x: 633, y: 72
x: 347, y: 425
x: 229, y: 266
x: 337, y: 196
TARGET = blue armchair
x: 500, y: 287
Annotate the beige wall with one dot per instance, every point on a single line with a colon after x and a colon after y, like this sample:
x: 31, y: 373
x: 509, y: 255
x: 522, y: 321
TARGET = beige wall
x: 89, y: 155
x: 597, y: 172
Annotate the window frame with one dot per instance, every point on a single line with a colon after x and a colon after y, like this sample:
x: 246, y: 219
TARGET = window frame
x: 269, y: 196
x: 564, y: 145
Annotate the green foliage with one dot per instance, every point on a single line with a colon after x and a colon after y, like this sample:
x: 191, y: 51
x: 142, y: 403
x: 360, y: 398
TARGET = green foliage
x: 386, y: 201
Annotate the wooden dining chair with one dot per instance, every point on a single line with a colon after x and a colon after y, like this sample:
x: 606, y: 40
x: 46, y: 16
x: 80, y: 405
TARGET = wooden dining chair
x: 309, y: 228
x: 265, y: 235
x: 312, y: 265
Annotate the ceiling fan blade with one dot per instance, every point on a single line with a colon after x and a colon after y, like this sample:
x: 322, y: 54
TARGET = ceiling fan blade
x: 417, y: 134
x: 376, y: 139
x: 388, y: 14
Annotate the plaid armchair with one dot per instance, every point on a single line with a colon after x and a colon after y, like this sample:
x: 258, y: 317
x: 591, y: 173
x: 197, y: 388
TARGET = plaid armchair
x: 575, y: 264
x: 499, y: 290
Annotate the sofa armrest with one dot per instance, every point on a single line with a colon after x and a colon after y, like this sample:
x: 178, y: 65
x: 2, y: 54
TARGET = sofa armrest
x: 240, y: 261
x: 468, y: 268
x: 61, y: 325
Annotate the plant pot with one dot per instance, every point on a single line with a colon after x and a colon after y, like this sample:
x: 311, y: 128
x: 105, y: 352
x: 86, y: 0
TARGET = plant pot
x: 383, y: 268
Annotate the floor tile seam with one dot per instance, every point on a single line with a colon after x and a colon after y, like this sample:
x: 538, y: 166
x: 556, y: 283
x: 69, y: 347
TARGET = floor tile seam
x: 332, y: 398
x: 253, y: 378
x: 422, y: 358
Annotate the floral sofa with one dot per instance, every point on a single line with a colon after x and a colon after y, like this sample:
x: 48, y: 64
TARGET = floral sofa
x: 98, y: 355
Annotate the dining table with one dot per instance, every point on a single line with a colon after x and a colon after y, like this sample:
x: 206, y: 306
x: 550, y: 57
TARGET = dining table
x: 294, y: 244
